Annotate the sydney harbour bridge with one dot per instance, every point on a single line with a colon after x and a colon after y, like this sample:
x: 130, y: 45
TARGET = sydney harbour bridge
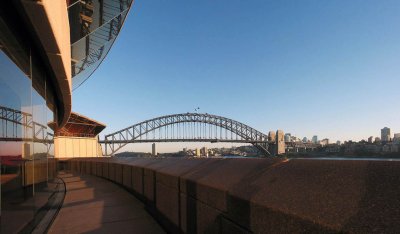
x: 189, y: 127
x: 185, y: 127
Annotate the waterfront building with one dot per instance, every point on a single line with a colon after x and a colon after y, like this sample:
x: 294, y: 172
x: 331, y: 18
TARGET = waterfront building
x: 48, y: 48
x: 78, y: 138
x: 385, y: 134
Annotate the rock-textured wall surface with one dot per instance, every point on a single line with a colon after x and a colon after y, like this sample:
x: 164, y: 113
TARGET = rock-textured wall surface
x: 259, y: 195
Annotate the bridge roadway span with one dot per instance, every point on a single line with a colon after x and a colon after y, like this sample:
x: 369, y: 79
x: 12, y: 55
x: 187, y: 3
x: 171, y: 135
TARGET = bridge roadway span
x: 259, y: 195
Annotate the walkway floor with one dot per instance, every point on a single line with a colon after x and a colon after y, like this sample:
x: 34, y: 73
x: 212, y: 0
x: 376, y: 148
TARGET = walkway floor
x: 95, y: 205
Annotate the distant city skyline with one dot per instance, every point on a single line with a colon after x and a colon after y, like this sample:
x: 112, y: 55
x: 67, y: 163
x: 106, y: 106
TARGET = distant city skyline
x: 309, y: 68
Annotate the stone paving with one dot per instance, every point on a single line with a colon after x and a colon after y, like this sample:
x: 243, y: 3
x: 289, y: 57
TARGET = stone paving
x: 95, y: 205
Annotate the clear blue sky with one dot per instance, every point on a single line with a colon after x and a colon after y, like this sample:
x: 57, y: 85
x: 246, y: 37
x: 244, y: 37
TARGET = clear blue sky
x: 326, y: 68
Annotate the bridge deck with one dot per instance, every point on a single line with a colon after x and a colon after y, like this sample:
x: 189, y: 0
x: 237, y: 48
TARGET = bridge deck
x: 181, y: 140
x: 96, y: 205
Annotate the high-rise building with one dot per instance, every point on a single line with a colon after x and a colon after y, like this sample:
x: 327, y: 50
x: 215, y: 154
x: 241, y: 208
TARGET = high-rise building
x: 338, y: 143
x: 385, y: 134
x: 305, y: 139
x: 377, y: 140
x: 315, y: 139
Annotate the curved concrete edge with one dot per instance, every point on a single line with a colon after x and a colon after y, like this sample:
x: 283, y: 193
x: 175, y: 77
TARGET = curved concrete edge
x: 50, y: 21
x: 54, y: 205
x: 45, y: 216
x: 259, y: 195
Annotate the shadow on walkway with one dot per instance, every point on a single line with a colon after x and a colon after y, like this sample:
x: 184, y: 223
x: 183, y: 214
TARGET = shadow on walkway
x: 95, y: 205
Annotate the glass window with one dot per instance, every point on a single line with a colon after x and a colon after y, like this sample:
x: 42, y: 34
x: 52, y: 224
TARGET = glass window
x: 26, y: 139
x: 15, y: 146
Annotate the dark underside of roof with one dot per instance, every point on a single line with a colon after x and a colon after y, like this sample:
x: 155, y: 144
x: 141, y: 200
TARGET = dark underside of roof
x: 80, y: 126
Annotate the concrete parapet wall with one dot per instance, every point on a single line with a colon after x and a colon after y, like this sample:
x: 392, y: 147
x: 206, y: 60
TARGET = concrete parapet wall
x: 259, y: 195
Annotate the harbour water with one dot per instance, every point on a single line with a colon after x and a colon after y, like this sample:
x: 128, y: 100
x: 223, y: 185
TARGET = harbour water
x: 328, y: 158
x: 349, y: 158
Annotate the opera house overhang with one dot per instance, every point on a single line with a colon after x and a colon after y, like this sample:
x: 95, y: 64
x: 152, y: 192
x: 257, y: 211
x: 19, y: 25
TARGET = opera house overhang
x: 35, y: 36
x: 48, y: 48
x: 80, y: 126
x: 95, y: 24
x: 70, y: 39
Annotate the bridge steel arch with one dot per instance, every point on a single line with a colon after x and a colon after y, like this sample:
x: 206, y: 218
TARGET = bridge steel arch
x: 115, y: 141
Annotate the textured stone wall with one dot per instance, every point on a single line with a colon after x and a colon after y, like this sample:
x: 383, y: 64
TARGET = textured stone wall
x: 259, y: 195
